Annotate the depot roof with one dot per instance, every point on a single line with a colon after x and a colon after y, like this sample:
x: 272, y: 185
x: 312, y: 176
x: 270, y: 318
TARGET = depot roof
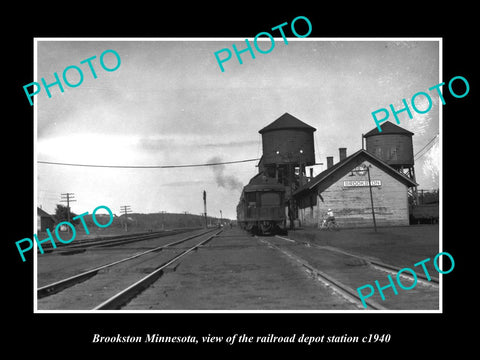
x: 325, y: 178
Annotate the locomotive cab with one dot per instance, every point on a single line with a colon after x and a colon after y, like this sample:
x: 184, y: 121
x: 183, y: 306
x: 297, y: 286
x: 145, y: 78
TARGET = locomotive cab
x: 262, y: 207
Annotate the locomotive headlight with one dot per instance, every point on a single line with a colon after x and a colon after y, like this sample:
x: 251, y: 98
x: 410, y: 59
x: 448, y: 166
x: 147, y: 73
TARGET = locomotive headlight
x: 301, y: 151
x: 277, y: 152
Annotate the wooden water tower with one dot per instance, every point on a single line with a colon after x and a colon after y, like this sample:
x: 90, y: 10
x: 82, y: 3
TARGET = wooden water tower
x: 288, y: 146
x: 393, y: 145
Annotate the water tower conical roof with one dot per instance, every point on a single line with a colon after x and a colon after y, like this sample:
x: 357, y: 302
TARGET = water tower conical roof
x: 287, y: 121
x: 388, y: 128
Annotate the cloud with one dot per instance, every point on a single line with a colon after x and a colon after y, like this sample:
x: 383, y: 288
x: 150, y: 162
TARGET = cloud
x: 185, y: 183
x: 154, y: 145
x: 231, y: 144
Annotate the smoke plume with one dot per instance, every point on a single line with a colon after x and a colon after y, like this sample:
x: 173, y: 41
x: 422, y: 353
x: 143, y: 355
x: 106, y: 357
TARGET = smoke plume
x: 226, y: 181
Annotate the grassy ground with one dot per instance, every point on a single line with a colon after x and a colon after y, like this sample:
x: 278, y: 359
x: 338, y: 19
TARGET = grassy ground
x: 401, y: 246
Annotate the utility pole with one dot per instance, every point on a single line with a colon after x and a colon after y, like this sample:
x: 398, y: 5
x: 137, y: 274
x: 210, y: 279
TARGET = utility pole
x: 205, y: 207
x: 126, y: 209
x: 68, y: 198
x: 371, y: 198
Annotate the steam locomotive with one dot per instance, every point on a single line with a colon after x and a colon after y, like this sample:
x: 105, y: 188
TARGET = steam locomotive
x: 261, y: 209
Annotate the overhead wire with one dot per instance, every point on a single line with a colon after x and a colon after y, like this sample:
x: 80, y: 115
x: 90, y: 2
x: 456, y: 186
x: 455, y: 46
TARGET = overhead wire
x: 146, y: 166
x: 426, y: 152
x: 430, y: 142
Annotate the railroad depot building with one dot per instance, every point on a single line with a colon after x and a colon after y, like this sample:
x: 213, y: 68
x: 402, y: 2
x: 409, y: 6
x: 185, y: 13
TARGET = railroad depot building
x: 344, y: 188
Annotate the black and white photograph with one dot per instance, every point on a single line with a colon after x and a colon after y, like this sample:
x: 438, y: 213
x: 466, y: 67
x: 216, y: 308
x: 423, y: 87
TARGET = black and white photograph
x: 239, y: 189
x: 242, y: 181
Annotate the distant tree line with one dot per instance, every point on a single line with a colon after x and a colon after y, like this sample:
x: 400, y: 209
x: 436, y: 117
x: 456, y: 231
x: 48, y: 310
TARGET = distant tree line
x: 136, y: 221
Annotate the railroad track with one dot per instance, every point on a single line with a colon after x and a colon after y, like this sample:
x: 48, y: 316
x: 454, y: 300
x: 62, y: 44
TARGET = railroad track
x: 122, y: 297
x: 373, y: 263
x: 100, y: 242
x: 342, y: 289
x: 335, y: 285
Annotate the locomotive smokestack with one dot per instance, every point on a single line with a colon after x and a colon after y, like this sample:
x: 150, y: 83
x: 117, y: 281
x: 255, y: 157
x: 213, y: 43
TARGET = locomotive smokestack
x: 343, y: 153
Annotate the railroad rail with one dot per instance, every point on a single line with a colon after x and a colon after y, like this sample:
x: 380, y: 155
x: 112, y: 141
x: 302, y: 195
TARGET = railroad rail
x: 343, y: 290
x: 122, y: 297
x: 63, y: 284
x: 99, y: 242
x: 346, y: 291
x: 371, y: 262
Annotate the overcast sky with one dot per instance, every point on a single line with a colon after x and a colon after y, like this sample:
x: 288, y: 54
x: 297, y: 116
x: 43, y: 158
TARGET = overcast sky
x: 169, y: 104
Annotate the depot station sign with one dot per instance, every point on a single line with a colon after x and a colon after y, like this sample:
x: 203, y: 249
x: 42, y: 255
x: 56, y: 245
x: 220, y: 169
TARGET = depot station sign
x: 361, y: 183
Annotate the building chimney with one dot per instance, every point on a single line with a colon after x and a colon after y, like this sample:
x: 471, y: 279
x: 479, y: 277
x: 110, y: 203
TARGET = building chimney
x: 329, y: 162
x: 343, y: 153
